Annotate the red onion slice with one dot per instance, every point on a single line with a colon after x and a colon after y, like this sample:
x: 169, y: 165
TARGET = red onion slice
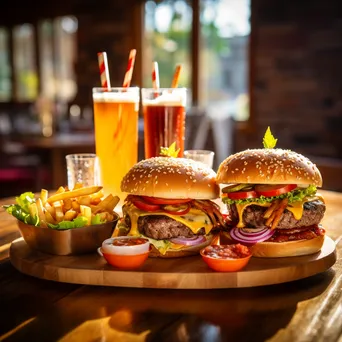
x: 250, y: 238
x: 195, y: 240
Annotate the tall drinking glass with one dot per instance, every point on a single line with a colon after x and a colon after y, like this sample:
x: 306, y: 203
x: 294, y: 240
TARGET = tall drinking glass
x: 116, y: 134
x: 164, y: 119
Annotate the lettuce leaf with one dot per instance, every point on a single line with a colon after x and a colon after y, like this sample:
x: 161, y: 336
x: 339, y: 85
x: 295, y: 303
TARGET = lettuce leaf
x: 21, y: 211
x: 17, y: 211
x: 24, y: 201
x: 97, y: 219
x: 293, y: 196
x: 78, y: 222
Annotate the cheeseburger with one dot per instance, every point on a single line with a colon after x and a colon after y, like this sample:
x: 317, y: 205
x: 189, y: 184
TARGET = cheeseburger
x: 169, y: 204
x: 272, y: 201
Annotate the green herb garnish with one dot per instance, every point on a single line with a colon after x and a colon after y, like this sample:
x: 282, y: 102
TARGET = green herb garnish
x: 169, y: 151
x: 269, y: 141
x: 293, y: 196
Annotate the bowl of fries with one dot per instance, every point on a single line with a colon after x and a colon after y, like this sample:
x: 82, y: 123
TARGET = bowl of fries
x: 69, y: 222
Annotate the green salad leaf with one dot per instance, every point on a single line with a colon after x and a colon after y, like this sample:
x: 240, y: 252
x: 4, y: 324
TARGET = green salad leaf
x: 97, y: 219
x: 21, y: 210
x: 19, y: 213
x: 78, y: 222
x: 269, y: 141
x: 293, y: 196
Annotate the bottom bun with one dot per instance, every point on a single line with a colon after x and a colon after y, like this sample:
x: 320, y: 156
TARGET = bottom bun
x: 288, y: 249
x: 180, y: 253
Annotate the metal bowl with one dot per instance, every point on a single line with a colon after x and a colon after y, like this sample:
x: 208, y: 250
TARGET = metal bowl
x: 67, y: 242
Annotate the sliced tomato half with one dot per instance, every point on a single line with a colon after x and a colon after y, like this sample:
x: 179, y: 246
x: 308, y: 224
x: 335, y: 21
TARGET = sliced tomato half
x: 242, y: 195
x: 270, y: 190
x: 158, y: 200
x: 142, y: 205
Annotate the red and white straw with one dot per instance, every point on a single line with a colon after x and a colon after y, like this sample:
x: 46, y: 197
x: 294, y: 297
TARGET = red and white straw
x: 155, y: 76
x: 129, y: 71
x: 104, y: 70
x: 176, y: 76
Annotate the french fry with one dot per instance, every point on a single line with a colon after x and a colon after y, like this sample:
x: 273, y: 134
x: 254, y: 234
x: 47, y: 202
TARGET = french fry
x: 279, y: 212
x: 41, y: 213
x: 97, y: 195
x: 50, y: 210
x: 78, y: 186
x: 33, y: 209
x: 270, y: 209
x: 95, y: 201
x: 74, y: 193
x: 86, y: 212
x: 67, y: 204
x: 112, y: 204
x: 59, y: 211
x: 49, y: 217
x: 60, y: 190
x: 75, y: 206
x: 44, y: 194
x: 84, y: 200
x: 103, y: 204
x: 70, y: 215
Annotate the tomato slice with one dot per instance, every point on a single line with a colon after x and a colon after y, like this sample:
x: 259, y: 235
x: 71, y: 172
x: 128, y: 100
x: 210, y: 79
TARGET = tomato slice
x: 242, y: 195
x: 142, y: 205
x: 270, y: 190
x: 158, y: 200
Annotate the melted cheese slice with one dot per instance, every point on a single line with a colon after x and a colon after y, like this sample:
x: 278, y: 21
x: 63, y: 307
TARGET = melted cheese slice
x: 295, y: 208
x: 195, y: 219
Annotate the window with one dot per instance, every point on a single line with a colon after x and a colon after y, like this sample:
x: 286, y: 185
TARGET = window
x: 5, y: 68
x: 57, y: 47
x: 225, y: 31
x: 167, y: 41
x: 51, y: 74
x: 25, y: 68
x: 221, y: 74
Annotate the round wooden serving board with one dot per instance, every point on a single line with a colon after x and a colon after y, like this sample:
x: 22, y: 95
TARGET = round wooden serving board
x: 179, y: 273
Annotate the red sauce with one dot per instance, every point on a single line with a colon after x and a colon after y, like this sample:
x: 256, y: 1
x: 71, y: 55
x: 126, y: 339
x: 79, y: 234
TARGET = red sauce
x: 129, y: 242
x: 236, y: 251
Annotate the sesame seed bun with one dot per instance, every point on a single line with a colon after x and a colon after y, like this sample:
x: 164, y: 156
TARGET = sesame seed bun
x: 283, y: 249
x: 287, y: 249
x: 168, y: 177
x: 268, y: 166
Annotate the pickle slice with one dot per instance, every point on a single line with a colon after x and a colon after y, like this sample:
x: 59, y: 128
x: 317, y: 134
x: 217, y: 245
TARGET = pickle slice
x: 236, y: 187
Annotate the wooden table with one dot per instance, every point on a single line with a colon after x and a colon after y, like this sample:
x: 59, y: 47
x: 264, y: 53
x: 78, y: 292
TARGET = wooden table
x: 301, y: 311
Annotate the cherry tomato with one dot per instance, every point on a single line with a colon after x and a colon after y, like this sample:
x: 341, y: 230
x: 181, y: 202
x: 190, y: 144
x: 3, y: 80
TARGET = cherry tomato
x: 242, y: 195
x: 270, y: 190
x: 142, y: 205
x: 157, y: 200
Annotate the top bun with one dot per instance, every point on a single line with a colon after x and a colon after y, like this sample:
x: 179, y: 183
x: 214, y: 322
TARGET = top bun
x: 168, y: 177
x: 268, y: 166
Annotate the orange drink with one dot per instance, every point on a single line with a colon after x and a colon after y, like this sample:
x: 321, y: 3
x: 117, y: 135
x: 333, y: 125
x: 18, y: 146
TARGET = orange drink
x: 116, y: 134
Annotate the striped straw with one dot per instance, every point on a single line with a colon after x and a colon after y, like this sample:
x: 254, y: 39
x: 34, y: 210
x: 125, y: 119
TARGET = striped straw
x: 104, y: 70
x: 129, y: 71
x: 155, y: 75
x: 176, y: 75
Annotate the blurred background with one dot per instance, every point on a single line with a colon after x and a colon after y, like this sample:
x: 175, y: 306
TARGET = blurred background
x: 248, y: 64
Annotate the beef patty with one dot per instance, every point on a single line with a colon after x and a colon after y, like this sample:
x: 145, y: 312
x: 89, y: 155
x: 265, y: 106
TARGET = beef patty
x: 253, y: 216
x: 161, y: 227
